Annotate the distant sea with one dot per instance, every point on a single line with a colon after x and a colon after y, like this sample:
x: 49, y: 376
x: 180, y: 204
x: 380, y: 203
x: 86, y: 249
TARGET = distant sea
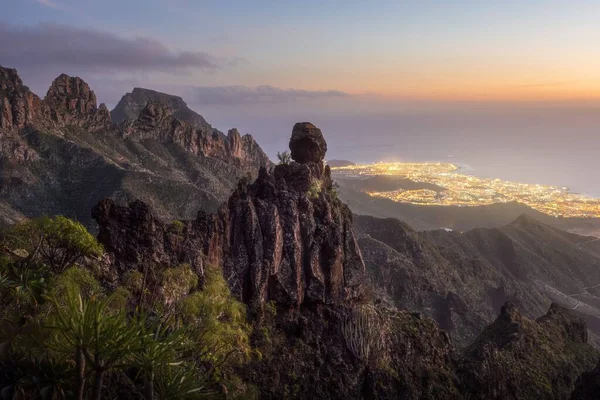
x: 568, y: 158
x: 554, y: 144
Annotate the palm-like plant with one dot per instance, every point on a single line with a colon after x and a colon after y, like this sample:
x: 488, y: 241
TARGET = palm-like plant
x: 181, y: 383
x: 159, y: 348
x: 96, y: 336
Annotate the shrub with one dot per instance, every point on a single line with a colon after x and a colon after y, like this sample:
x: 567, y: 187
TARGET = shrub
x: 58, y: 242
x: 218, y: 323
x: 177, y: 282
x: 76, y: 279
x: 178, y: 226
x: 364, y: 331
x: 315, y: 189
x: 285, y: 158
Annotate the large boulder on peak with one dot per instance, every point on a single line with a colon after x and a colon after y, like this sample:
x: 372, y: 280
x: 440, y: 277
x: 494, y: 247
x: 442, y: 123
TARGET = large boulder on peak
x: 307, y: 143
x: 308, y: 171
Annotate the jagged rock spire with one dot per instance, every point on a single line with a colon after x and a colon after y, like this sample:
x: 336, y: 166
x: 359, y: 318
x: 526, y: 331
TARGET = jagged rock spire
x: 18, y: 105
x: 274, y: 239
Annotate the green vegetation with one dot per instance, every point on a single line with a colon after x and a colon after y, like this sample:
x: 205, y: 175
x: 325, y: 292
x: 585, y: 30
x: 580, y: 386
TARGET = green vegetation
x: 334, y: 194
x: 178, y: 226
x: 315, y: 189
x: 285, y: 158
x: 57, y: 242
x: 64, y: 333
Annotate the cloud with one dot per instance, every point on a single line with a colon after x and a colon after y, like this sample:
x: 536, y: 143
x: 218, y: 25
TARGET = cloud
x: 236, y: 95
x: 60, y: 46
x: 47, y: 3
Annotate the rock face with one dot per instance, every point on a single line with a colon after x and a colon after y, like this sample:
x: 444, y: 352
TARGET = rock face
x: 18, y: 105
x: 290, y: 243
x: 274, y: 238
x: 307, y: 143
x: 136, y: 238
x: 157, y: 120
x: 587, y: 386
x: 70, y: 101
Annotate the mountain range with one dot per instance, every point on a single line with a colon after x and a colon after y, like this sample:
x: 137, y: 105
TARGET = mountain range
x: 364, y: 307
x: 63, y: 154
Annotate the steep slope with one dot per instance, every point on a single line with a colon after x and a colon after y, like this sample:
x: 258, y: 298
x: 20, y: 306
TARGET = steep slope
x: 518, y: 358
x: 62, y: 154
x: 461, y: 279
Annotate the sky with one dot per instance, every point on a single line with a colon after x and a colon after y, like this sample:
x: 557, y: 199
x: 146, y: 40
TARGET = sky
x: 507, y: 88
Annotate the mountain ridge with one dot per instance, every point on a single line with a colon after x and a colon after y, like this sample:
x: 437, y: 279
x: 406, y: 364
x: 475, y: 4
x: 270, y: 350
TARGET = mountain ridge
x: 51, y: 149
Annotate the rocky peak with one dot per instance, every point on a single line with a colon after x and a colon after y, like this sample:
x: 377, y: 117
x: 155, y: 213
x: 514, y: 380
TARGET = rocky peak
x: 18, y: 105
x: 70, y: 101
x: 71, y: 94
x: 131, y: 105
x: 235, y: 142
x: 292, y: 240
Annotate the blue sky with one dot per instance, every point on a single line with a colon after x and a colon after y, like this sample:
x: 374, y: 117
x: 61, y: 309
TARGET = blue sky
x: 411, y: 79
x: 416, y: 49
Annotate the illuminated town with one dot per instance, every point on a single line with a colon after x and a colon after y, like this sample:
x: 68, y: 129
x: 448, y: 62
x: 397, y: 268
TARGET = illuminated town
x: 458, y: 189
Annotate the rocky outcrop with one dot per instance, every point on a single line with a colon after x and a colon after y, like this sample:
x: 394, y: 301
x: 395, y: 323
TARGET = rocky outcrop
x: 292, y: 242
x: 70, y: 101
x: 136, y: 238
x: 18, y: 105
x: 276, y: 239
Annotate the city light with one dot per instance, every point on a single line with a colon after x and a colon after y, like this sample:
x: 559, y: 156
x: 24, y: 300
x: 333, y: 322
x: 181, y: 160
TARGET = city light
x: 457, y: 189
